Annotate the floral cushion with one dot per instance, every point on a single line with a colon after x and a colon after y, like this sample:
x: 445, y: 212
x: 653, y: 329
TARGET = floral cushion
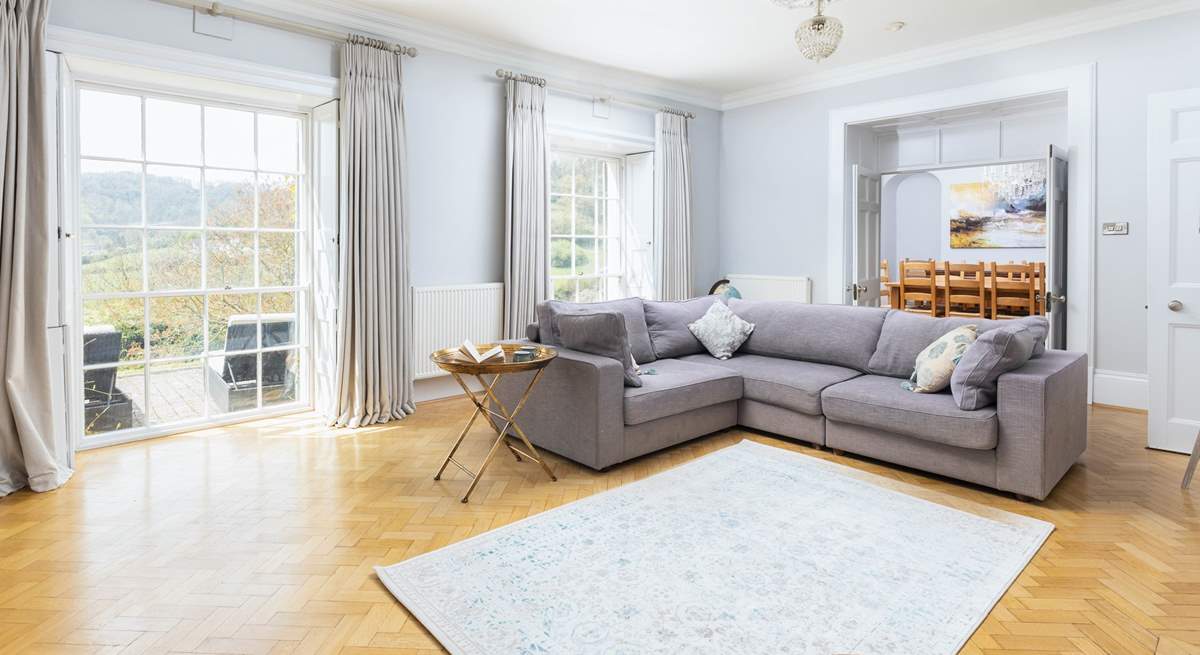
x: 935, y: 365
x: 721, y: 331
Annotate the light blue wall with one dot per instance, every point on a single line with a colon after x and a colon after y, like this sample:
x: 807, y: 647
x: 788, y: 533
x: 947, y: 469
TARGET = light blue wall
x: 774, y: 160
x: 455, y: 127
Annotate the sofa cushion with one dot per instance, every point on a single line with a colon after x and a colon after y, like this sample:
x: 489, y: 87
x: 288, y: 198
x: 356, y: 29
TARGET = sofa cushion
x: 629, y: 308
x: 676, y: 387
x: 601, y: 333
x: 786, y: 383
x: 720, y: 331
x: 878, y: 401
x: 906, y: 334
x: 668, y: 322
x: 997, y: 352
x: 829, y: 334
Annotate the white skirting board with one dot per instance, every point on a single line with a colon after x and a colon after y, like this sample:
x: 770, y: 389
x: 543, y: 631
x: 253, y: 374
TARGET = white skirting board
x: 446, y: 316
x: 1121, y: 389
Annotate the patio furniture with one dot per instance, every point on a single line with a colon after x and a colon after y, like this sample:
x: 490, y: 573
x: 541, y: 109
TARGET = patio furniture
x: 233, y: 378
x: 105, y: 407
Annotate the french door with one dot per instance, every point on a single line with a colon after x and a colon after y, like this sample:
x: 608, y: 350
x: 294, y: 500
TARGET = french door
x: 189, y: 292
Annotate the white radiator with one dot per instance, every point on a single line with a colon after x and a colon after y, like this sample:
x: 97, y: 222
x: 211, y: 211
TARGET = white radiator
x: 446, y: 316
x: 772, y: 287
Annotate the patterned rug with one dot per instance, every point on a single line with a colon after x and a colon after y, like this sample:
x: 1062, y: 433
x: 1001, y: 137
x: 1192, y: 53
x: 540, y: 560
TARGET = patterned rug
x: 751, y: 549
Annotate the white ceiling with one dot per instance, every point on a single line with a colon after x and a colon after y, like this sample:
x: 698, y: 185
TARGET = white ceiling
x: 727, y: 46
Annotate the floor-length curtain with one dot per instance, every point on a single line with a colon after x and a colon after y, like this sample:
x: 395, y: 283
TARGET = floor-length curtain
x: 374, y: 365
x: 527, y: 206
x: 27, y: 454
x: 673, y: 205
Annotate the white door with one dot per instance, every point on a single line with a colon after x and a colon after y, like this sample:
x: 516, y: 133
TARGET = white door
x: 639, y: 224
x: 864, y: 291
x: 1173, y: 241
x: 1056, y: 260
x: 326, y: 226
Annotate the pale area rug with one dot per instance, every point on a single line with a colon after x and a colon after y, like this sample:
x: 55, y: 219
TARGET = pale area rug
x: 751, y: 549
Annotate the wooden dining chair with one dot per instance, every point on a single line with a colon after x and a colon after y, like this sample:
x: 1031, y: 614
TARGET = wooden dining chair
x: 1014, y: 290
x: 964, y: 286
x: 1041, y: 288
x: 918, y: 286
x: 885, y: 296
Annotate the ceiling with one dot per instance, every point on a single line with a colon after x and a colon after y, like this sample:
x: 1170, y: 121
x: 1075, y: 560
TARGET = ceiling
x: 727, y: 46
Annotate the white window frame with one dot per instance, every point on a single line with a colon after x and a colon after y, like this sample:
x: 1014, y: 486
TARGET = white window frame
x: 72, y: 289
x: 615, y: 224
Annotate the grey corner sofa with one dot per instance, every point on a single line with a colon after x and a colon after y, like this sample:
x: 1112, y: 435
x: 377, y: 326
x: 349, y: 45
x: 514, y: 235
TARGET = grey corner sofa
x: 825, y: 374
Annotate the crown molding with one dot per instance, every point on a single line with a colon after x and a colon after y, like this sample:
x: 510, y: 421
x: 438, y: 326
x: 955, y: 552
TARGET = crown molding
x: 1057, y: 27
x: 352, y: 16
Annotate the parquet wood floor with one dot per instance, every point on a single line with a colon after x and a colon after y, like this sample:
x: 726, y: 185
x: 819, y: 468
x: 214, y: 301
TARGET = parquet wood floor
x: 260, y: 538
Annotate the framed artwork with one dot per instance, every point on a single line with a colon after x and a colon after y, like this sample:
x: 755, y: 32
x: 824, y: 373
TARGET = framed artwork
x: 1004, y: 208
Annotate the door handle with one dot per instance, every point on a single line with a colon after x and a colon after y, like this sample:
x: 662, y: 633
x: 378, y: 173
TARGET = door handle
x: 1174, y: 305
x: 1052, y: 300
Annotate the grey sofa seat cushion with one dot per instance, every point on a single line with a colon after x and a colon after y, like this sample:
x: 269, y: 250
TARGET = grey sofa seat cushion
x: 827, y: 334
x: 879, y: 402
x: 630, y: 308
x: 668, y: 322
x: 786, y: 383
x: 677, y: 387
x: 905, y: 335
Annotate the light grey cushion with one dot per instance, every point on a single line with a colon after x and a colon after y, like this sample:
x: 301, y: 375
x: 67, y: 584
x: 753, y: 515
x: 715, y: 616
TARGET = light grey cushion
x: 668, y: 322
x: 829, y: 334
x: 601, y: 333
x: 786, y: 383
x: 878, y: 402
x: 905, y: 335
x: 721, y: 331
x: 993, y: 354
x: 629, y: 308
x: 677, y: 387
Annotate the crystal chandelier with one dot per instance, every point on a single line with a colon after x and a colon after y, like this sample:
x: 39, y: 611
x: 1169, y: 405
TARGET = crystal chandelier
x: 1015, y: 181
x: 817, y: 37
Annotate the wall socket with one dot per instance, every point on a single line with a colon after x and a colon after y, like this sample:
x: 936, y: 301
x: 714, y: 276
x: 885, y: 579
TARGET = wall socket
x: 1114, y: 229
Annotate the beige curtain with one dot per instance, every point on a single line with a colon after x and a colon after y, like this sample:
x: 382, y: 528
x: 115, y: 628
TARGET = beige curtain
x: 374, y: 367
x: 527, y: 206
x: 27, y: 454
x: 673, y: 206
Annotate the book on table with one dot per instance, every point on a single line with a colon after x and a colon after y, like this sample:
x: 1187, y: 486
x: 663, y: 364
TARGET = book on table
x: 472, y: 352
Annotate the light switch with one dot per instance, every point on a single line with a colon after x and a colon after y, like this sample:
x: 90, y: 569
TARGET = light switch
x: 1114, y: 229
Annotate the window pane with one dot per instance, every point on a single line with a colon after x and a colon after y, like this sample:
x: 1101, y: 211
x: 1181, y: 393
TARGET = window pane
x: 110, y: 125
x: 560, y: 214
x: 112, y: 399
x: 585, y: 176
x: 232, y: 322
x: 229, y: 198
x: 172, y: 131
x: 278, y: 143
x: 228, y: 138
x: 110, y: 193
x: 585, y: 216
x: 172, y: 195
x: 606, y: 178
x: 560, y: 257
x: 111, y: 260
x: 112, y: 330
x: 232, y: 383
x: 176, y: 391
x: 174, y: 259
x: 277, y: 259
x: 276, y: 200
x: 560, y: 174
x: 280, y: 375
x: 176, y: 326
x: 585, y: 256
x: 564, y: 290
x: 230, y: 260
x: 278, y: 319
x: 602, y: 217
x: 590, y: 290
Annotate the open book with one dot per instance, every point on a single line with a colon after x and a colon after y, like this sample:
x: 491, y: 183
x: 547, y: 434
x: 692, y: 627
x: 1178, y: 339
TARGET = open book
x: 467, y: 348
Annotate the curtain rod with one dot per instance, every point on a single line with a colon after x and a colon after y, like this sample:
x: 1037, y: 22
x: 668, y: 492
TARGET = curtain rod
x: 587, y: 93
x: 218, y: 9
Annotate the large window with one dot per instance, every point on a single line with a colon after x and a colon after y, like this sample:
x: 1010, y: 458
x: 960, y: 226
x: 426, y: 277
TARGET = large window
x: 190, y: 224
x: 585, y: 227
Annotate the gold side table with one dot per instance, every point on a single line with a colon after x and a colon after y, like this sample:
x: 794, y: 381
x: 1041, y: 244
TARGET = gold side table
x: 458, y: 365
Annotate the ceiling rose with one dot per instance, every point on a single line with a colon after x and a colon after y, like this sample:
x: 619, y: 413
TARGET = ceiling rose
x: 819, y: 36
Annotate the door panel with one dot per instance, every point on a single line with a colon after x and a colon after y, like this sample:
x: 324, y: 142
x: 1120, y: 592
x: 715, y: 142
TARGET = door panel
x: 866, y: 194
x: 1173, y: 213
x: 1057, y: 252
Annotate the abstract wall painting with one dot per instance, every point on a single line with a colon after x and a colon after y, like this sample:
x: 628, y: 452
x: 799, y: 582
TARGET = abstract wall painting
x: 1004, y: 208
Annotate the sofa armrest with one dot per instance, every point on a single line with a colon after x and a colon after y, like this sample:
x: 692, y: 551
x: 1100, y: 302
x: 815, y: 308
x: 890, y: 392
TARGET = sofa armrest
x: 1042, y: 409
x: 576, y: 410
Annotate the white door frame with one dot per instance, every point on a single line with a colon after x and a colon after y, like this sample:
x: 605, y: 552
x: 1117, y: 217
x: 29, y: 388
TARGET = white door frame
x: 1079, y: 83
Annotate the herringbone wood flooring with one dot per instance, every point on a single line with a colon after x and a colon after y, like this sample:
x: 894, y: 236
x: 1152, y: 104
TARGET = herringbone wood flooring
x: 260, y: 538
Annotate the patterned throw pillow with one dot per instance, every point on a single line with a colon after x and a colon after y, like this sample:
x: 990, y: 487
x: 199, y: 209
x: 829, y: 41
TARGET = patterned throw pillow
x: 721, y: 331
x: 935, y: 365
